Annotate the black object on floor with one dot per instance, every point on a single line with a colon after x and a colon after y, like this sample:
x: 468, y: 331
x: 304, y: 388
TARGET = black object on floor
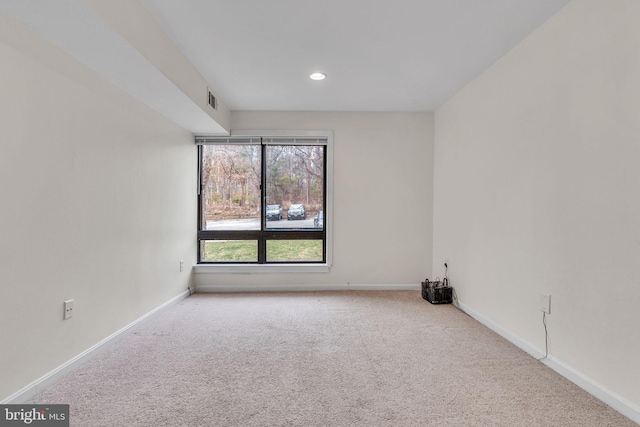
x: 437, y: 292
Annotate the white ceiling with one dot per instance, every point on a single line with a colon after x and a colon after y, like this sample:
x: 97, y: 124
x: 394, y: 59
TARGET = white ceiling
x: 379, y: 55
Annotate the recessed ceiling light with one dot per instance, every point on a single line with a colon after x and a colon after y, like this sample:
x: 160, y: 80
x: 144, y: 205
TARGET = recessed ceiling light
x: 318, y: 76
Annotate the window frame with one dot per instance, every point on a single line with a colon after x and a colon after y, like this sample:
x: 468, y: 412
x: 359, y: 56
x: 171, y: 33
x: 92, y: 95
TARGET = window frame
x: 274, y: 137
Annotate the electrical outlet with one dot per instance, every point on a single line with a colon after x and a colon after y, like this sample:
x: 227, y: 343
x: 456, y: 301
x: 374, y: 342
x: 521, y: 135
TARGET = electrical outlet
x: 181, y: 266
x: 68, y: 309
x: 545, y: 303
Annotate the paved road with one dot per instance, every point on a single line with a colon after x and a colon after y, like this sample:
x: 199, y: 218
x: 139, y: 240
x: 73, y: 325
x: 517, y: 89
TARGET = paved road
x: 254, y: 224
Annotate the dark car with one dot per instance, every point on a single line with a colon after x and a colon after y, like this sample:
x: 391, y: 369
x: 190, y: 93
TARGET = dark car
x: 274, y: 213
x: 296, y: 212
x: 318, y: 220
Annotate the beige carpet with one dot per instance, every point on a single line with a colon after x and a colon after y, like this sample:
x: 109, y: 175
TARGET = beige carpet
x: 320, y: 359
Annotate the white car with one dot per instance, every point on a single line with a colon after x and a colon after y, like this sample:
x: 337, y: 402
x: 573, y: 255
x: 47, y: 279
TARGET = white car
x: 296, y: 212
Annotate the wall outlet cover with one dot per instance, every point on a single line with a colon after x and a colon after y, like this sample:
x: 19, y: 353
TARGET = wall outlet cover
x: 545, y: 303
x: 68, y: 309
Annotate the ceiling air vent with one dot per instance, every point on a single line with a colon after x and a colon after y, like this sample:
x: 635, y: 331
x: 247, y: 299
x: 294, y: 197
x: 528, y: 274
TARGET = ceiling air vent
x: 213, y: 101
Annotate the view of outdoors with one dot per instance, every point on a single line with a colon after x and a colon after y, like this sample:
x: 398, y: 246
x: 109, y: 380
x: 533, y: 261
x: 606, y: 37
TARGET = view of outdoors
x: 231, y: 176
x: 231, y: 199
x: 231, y: 187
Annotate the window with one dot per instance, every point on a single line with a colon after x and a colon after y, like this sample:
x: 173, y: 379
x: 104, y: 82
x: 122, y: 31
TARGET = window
x: 263, y: 200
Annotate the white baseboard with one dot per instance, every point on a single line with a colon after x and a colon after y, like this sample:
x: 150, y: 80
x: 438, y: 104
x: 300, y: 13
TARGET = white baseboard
x: 618, y: 403
x: 298, y: 288
x: 61, y: 371
x: 508, y: 335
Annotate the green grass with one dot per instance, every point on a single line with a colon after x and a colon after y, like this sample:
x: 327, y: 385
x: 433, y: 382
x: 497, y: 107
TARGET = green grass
x: 294, y: 250
x: 230, y: 251
x: 277, y: 250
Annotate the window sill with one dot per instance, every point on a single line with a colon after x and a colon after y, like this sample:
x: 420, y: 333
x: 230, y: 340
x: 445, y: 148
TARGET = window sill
x: 260, y: 268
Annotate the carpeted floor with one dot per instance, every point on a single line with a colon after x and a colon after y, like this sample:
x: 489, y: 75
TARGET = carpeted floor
x: 369, y: 358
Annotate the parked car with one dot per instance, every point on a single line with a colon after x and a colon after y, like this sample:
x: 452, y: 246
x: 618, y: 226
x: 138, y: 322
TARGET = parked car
x: 318, y: 220
x: 274, y: 212
x: 296, y: 212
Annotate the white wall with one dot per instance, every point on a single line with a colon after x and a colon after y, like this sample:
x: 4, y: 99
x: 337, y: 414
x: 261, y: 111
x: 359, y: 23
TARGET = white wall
x: 382, y: 197
x: 98, y: 205
x: 134, y: 22
x: 536, y: 191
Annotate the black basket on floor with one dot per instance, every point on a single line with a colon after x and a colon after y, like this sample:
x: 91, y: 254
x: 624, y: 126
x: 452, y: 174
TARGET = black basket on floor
x: 437, y: 292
